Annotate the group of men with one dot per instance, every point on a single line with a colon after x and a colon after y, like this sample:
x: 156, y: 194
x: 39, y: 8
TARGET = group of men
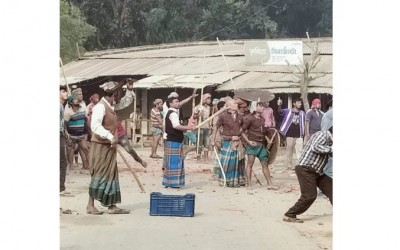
x: 242, y: 133
x: 236, y: 133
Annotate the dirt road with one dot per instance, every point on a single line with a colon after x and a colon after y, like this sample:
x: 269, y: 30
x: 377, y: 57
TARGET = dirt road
x: 225, y: 218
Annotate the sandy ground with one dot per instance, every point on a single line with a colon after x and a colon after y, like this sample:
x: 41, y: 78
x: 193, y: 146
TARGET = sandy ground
x: 230, y: 218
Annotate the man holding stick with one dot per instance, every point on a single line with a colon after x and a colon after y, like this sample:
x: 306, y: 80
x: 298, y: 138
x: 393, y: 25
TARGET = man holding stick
x: 231, y: 157
x: 173, y: 164
x: 104, y: 185
x: 121, y: 131
x: 253, y: 125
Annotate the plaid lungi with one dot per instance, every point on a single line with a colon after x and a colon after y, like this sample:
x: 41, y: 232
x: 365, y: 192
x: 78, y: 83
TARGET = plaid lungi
x: 233, y: 166
x: 173, y: 165
x: 104, y: 185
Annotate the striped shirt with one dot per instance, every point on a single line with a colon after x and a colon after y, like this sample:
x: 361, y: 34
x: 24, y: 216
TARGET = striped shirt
x: 155, y: 117
x: 288, y: 115
x: 75, y: 122
x: 316, y: 152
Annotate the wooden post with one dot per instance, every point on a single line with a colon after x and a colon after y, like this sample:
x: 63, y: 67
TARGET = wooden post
x: 144, y: 112
x: 289, y: 100
x: 198, y: 130
x: 133, y: 139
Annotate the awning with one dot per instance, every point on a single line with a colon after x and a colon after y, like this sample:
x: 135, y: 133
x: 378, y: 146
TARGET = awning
x: 278, y: 83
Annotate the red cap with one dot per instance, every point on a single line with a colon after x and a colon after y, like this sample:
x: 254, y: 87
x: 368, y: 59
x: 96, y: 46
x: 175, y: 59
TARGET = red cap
x: 315, y: 102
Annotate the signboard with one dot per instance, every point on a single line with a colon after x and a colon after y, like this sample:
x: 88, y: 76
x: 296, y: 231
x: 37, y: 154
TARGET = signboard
x: 273, y: 52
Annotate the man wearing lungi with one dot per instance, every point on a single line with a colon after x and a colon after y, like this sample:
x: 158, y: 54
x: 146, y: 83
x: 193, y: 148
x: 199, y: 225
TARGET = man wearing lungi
x: 173, y: 163
x: 232, y: 158
x: 254, y: 126
x: 104, y: 185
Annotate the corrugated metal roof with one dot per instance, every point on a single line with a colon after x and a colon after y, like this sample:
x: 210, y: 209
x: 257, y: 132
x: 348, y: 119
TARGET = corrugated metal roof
x: 297, y: 90
x: 196, y: 49
x: 276, y: 82
x: 179, y: 65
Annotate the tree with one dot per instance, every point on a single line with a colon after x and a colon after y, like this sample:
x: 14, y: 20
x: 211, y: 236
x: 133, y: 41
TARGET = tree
x: 73, y: 29
x: 295, y: 17
x: 305, y: 73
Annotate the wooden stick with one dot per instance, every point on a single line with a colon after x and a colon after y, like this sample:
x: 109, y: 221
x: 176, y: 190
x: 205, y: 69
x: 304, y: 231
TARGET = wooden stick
x: 220, y: 166
x: 272, y: 139
x: 227, y: 66
x: 211, y: 117
x: 256, y: 177
x: 133, y: 172
x: 65, y: 78
x: 269, y: 141
x: 198, y: 130
x: 201, y: 105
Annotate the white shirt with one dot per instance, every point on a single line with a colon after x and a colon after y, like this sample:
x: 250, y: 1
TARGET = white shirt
x: 174, y: 117
x: 99, y: 110
x: 126, y: 100
x: 164, y: 113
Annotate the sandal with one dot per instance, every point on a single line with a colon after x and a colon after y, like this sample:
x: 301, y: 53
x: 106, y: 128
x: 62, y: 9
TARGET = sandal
x: 156, y: 156
x: 119, y: 211
x: 93, y: 211
x: 290, y: 219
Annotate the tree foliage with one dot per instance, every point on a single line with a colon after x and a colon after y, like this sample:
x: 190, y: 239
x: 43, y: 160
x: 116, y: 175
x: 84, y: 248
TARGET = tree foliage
x: 73, y: 29
x: 126, y: 23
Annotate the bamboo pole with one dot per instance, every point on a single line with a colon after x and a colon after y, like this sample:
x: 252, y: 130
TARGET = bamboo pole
x: 220, y: 166
x: 133, y: 172
x: 198, y: 130
x: 201, y: 105
x: 226, y: 63
x: 65, y: 78
x: 211, y: 117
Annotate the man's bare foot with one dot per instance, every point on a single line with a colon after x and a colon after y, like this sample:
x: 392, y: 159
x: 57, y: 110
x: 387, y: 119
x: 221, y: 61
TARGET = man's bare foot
x: 272, y: 187
x: 144, y: 164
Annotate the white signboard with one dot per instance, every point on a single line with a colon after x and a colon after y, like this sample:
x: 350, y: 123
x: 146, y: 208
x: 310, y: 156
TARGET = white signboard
x: 273, y: 52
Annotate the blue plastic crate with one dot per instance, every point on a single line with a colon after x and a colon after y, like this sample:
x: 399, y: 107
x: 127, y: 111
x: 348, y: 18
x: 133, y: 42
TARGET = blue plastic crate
x: 172, y: 205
